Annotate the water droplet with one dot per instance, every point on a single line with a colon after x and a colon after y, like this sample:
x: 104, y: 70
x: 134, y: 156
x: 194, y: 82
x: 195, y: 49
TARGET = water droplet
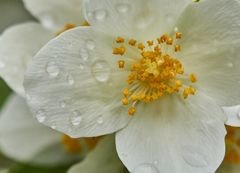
x: 70, y: 79
x: 176, y: 29
x: 101, y: 70
x: 2, y: 65
x: 230, y: 64
x: 52, y: 69
x: 144, y: 22
x: 40, y: 115
x: 155, y: 162
x: 81, y: 66
x: 146, y: 168
x: 53, y: 126
x: 62, y: 104
x: 76, y: 118
x: 100, y: 120
x: 47, y: 20
x: 100, y: 14
x: 90, y: 44
x: 122, y: 8
x: 84, y: 54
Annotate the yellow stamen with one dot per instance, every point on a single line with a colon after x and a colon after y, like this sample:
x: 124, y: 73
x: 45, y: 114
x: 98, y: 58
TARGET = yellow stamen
x: 150, y: 43
x: 119, y: 50
x: 132, y: 42
x: 126, y: 92
x: 120, y: 40
x: 121, y: 64
x: 177, y: 48
x: 141, y: 46
x: 178, y: 35
x: 131, y: 111
x: 125, y: 101
x: 193, y: 78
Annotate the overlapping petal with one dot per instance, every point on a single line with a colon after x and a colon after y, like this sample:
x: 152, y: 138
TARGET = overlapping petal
x: 72, y: 82
x: 135, y: 17
x: 55, y: 14
x: 22, y: 138
x: 174, y: 135
x: 103, y: 159
x: 233, y: 114
x: 210, y: 47
x: 18, y: 45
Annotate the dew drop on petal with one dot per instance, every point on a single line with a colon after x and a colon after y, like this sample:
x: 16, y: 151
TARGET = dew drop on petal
x: 2, y: 65
x: 53, y: 126
x: 52, y: 69
x: 70, y: 79
x: 84, y: 54
x: 101, y: 71
x: 76, y: 118
x: 62, y: 104
x: 100, y: 120
x: 122, y: 8
x: 47, y: 20
x: 40, y: 115
x: 146, y: 168
x: 100, y: 14
x: 90, y: 44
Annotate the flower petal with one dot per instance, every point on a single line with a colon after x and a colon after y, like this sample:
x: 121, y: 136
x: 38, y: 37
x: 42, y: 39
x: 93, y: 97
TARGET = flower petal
x: 174, y: 135
x: 22, y: 138
x: 211, y: 47
x: 18, y: 45
x: 55, y: 14
x: 103, y: 159
x: 136, y: 18
x: 72, y: 82
x: 233, y: 114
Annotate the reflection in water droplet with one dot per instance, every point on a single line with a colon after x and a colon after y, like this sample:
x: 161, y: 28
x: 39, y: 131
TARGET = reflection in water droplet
x: 40, y: 115
x: 84, y: 54
x: 101, y: 70
x: 122, y: 8
x: 100, y: 14
x: 70, y: 79
x: 90, y: 44
x: 62, y: 104
x: 52, y: 69
x: 2, y: 65
x: 146, y: 168
x: 76, y: 118
x: 100, y: 120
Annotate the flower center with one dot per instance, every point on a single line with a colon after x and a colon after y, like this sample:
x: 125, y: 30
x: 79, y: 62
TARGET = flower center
x: 155, y: 73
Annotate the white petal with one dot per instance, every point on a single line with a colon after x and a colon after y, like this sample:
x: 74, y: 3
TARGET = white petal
x: 140, y: 19
x: 18, y: 44
x: 73, y: 83
x: 22, y: 138
x: 103, y: 159
x: 55, y: 14
x: 174, y: 135
x: 233, y: 114
x: 229, y: 168
x: 211, y: 47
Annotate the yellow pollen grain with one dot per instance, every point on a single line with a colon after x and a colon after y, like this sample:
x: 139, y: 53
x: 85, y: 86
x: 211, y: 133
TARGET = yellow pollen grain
x: 119, y: 50
x: 141, y: 46
x: 125, y: 101
x: 178, y: 35
x: 120, y: 40
x: 177, y: 48
x: 121, y: 64
x: 132, y: 42
x: 193, y: 78
x: 131, y: 111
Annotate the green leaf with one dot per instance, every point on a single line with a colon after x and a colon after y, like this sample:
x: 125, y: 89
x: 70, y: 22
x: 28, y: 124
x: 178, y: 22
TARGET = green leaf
x: 4, y: 92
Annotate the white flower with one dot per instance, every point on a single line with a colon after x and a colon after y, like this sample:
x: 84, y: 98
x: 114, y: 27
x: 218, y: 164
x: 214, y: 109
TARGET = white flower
x: 19, y: 43
x: 24, y: 139
x: 179, y: 132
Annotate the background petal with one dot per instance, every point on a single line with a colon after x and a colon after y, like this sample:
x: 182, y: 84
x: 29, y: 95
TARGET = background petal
x: 73, y: 84
x: 103, y: 159
x: 55, y: 14
x: 233, y: 114
x: 174, y: 135
x: 18, y: 45
x: 22, y: 138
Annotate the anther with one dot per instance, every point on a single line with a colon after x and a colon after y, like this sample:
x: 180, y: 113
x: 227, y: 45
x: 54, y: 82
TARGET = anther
x: 169, y: 41
x: 178, y: 35
x: 150, y: 43
x: 121, y: 64
x: 141, y: 46
x: 131, y: 111
x: 119, y: 50
x: 177, y: 48
x: 132, y: 42
x: 126, y: 92
x: 125, y: 101
x: 120, y: 40
x: 193, y: 78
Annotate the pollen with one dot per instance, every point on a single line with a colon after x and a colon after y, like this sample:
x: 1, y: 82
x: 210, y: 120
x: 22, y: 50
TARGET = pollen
x: 155, y: 72
x: 119, y: 50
